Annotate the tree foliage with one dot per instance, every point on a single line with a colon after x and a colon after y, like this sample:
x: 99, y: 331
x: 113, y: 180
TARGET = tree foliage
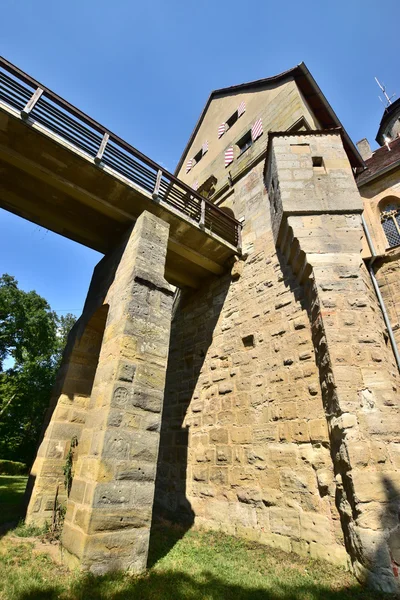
x: 32, y: 339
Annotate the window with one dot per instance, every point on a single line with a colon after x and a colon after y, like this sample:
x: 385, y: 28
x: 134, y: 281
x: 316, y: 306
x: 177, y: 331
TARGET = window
x: 390, y: 219
x: 272, y: 196
x: 223, y: 128
x: 317, y: 161
x: 318, y: 165
x: 232, y: 120
x: 245, y: 142
x: 198, y: 157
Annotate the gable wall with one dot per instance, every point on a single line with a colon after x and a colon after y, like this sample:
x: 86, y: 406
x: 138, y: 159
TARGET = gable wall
x: 278, y: 106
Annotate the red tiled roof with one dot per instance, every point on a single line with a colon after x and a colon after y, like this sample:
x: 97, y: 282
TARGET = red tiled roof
x: 381, y: 159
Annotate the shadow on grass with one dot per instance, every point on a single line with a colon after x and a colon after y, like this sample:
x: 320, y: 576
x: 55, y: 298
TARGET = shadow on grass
x: 172, y: 585
x: 163, y: 537
x: 12, y: 505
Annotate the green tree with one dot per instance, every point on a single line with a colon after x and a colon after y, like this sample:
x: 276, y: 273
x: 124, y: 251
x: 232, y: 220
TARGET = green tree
x: 32, y: 338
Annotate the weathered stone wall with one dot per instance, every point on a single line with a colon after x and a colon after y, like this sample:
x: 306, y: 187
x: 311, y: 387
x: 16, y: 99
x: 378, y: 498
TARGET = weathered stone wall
x: 359, y: 379
x: 107, y: 524
x: 279, y: 107
x: 387, y: 271
x: 374, y: 195
x: 66, y: 415
x: 244, y: 444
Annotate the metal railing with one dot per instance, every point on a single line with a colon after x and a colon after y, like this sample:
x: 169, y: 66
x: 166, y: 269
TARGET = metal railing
x: 39, y: 104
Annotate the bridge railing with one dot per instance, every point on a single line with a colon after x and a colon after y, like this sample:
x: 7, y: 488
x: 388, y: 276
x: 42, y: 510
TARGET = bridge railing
x: 39, y: 104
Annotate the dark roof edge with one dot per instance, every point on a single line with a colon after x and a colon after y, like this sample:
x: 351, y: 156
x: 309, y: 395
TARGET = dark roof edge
x: 378, y: 174
x: 231, y: 88
x: 349, y: 145
x: 296, y: 72
x: 387, y: 114
x: 331, y: 131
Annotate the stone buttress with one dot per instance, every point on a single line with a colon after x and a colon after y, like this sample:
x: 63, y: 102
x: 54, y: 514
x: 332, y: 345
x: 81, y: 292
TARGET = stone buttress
x: 316, y: 218
x: 109, y: 510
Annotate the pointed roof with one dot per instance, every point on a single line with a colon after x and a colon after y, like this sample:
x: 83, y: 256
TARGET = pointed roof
x: 311, y: 92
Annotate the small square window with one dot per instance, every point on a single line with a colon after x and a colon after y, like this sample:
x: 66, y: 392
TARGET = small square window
x: 245, y: 142
x: 317, y: 161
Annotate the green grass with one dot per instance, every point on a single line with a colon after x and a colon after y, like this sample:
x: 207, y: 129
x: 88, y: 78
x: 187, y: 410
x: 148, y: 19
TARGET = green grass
x: 185, y: 566
x: 12, y: 488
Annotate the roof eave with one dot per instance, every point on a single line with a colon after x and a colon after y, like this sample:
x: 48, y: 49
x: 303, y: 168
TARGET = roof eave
x: 297, y: 73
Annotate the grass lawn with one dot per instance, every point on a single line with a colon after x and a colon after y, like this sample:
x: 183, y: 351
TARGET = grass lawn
x: 182, y: 566
x: 185, y: 566
x: 12, y: 489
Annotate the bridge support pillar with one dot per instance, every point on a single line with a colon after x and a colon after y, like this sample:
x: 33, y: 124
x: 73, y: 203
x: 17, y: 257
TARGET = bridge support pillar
x: 109, y: 509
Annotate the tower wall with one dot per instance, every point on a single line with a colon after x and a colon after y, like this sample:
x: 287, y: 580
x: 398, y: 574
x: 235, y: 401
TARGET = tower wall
x: 281, y: 422
x: 317, y: 224
x: 244, y: 443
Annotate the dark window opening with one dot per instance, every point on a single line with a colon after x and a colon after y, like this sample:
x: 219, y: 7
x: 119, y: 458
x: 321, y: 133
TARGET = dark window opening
x: 245, y: 142
x: 232, y: 120
x: 198, y: 157
x: 273, y: 199
x: 317, y: 161
x: 248, y: 341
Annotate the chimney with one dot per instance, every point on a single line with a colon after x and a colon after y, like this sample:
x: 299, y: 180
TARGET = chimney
x: 364, y: 149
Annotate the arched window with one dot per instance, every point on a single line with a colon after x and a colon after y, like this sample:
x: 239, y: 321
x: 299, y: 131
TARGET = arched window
x: 390, y: 219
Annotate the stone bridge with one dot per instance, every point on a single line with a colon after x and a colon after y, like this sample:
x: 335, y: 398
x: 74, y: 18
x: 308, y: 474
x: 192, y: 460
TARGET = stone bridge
x: 67, y: 173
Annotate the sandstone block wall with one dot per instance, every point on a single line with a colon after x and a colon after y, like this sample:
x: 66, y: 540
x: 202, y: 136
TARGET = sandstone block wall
x: 107, y: 524
x: 387, y: 271
x: 244, y: 443
x: 281, y: 420
x: 359, y: 380
x: 65, y: 417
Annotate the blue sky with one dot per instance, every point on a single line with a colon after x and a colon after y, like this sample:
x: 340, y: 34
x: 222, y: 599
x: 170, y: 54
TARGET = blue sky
x: 145, y: 70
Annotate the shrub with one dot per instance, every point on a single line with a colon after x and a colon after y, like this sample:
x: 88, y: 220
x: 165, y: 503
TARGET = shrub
x: 10, y: 467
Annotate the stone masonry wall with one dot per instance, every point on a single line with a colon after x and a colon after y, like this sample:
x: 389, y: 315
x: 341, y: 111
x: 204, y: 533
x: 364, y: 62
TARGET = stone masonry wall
x: 109, y: 509
x: 66, y: 416
x: 316, y: 215
x: 387, y: 271
x: 244, y: 443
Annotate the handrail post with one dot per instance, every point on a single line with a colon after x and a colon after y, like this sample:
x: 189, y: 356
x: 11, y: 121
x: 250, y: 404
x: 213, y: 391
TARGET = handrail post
x: 239, y: 236
x: 31, y: 103
x: 203, y: 213
x: 157, y: 185
x: 99, y: 155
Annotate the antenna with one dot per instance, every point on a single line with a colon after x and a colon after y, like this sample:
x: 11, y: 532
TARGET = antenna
x: 383, y: 88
